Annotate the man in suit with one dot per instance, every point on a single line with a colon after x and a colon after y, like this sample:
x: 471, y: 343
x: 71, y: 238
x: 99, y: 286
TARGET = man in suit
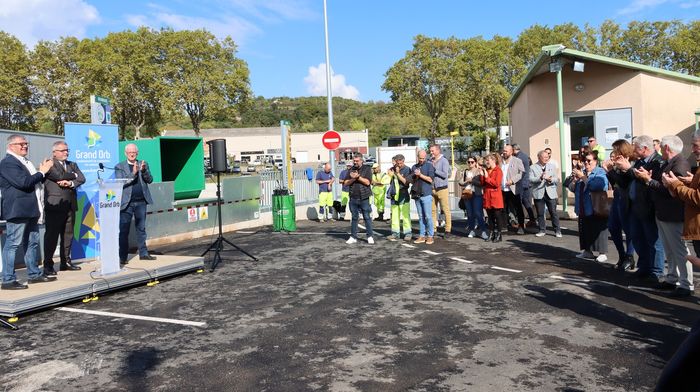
x: 524, y: 184
x: 513, y: 172
x: 135, y: 198
x: 543, y: 182
x: 21, y: 188
x: 60, y: 204
x: 644, y: 231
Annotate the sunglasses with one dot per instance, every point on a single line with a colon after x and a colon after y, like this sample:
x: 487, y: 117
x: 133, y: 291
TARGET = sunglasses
x: 471, y: 162
x: 589, y: 160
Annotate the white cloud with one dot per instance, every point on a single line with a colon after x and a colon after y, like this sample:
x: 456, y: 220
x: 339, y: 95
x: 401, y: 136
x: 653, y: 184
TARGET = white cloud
x: 237, y: 28
x: 316, y: 83
x: 34, y: 20
x: 690, y: 4
x: 640, y: 5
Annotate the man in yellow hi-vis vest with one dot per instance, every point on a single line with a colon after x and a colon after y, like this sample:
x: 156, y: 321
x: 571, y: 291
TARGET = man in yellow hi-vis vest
x: 379, y: 182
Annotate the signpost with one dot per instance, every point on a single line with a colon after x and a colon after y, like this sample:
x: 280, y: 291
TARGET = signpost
x: 100, y: 110
x: 331, y: 140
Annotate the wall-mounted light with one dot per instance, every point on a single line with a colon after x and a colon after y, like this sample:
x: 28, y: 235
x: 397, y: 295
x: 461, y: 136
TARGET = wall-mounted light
x: 578, y: 66
x: 579, y: 87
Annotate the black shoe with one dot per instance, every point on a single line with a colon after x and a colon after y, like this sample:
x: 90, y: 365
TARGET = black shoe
x: 650, y: 278
x: 147, y: 257
x: 445, y: 235
x: 497, y: 237
x: 665, y: 286
x: 680, y: 292
x: 68, y: 266
x: 42, y: 279
x: 490, y: 237
x: 49, y: 272
x: 626, y: 263
x: 13, y: 286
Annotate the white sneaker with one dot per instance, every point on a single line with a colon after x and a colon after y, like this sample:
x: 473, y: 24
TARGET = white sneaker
x: 540, y: 234
x: 471, y: 234
x: 558, y: 235
x: 370, y: 240
x: 602, y: 258
x: 585, y: 255
x: 484, y: 235
x: 351, y: 240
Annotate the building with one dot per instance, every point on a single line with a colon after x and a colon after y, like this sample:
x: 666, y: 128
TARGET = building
x: 602, y: 96
x: 263, y: 144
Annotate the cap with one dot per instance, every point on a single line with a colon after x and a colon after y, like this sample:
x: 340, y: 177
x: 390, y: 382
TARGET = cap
x: 375, y: 166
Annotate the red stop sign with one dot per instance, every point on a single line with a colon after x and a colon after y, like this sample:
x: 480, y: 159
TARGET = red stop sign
x: 331, y: 140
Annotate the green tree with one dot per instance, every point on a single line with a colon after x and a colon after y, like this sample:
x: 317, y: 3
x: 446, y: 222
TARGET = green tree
x: 685, y: 49
x: 59, y: 90
x: 425, y: 78
x: 203, y: 76
x: 15, y: 93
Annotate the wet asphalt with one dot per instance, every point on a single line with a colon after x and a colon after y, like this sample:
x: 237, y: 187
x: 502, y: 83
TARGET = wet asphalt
x: 316, y: 314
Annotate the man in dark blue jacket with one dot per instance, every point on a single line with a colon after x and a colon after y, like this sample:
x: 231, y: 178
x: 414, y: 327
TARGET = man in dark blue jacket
x: 22, y: 192
x: 135, y: 198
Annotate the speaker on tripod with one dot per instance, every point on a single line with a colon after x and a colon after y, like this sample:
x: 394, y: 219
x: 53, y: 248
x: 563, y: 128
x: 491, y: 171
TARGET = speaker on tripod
x: 218, y: 164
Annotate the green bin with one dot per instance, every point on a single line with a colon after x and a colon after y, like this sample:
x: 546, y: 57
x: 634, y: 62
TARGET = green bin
x: 283, y: 213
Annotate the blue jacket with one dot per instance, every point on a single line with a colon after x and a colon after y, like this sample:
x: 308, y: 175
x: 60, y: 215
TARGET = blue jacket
x: 597, y: 181
x: 17, y: 186
x: 143, y: 177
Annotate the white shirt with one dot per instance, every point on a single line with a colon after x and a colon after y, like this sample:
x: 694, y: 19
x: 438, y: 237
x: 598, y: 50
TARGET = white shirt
x: 38, y: 188
x: 504, y: 169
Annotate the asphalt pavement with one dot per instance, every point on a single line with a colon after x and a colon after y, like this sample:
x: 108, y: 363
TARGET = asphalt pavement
x: 316, y: 314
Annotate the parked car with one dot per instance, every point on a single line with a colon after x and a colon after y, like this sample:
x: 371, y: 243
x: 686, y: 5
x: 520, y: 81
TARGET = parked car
x: 250, y: 169
x: 236, y: 169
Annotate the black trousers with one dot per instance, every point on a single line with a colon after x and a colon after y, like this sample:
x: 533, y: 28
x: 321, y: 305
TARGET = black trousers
x: 551, y: 207
x: 59, y: 224
x: 513, y: 205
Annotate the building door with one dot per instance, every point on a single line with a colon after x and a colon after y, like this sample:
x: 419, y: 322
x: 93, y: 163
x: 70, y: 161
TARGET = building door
x: 580, y: 129
x: 611, y: 125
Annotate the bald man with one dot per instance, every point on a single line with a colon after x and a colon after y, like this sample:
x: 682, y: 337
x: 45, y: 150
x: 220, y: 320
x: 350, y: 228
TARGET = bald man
x: 135, y: 198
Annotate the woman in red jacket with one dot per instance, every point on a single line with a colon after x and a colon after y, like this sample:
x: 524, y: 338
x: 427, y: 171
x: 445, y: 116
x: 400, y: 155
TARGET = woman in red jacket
x: 491, y: 181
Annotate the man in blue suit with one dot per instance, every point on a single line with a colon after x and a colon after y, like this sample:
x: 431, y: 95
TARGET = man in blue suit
x: 135, y: 198
x: 21, y: 186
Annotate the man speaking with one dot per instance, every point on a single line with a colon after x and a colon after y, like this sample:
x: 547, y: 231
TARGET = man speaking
x: 135, y: 198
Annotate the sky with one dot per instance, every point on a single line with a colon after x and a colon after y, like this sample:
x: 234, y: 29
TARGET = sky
x: 283, y: 43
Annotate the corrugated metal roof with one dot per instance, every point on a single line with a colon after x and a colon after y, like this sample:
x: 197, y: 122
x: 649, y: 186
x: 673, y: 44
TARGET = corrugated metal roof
x: 541, y: 66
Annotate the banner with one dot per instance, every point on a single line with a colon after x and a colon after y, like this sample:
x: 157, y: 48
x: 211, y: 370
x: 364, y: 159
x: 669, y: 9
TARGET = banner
x: 108, y: 209
x: 90, y: 145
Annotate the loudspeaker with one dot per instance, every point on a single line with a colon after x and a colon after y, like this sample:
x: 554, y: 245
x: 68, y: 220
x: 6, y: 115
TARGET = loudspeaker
x: 217, y: 155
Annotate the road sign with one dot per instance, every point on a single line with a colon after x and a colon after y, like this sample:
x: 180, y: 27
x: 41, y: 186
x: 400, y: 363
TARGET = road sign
x: 331, y: 140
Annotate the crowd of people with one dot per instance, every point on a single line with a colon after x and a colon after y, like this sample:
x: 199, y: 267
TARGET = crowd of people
x: 644, y: 197
x: 47, y: 195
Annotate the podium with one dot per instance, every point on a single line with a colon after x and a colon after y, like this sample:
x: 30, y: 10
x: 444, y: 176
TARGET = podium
x: 107, y: 214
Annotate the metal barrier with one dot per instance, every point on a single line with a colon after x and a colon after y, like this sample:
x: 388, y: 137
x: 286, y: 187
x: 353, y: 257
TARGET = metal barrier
x: 305, y: 191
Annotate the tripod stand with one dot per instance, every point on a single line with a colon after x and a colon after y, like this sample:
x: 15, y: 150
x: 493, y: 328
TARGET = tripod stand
x: 218, y: 245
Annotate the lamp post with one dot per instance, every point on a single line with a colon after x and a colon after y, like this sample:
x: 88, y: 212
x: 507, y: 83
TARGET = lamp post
x: 452, y: 145
x: 329, y: 90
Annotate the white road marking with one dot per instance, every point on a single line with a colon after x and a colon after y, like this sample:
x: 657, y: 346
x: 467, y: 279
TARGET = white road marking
x: 430, y: 252
x: 408, y: 246
x: 506, y: 269
x: 131, y: 316
x: 462, y: 260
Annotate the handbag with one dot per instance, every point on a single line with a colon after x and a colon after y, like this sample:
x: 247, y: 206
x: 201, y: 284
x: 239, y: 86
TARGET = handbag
x: 602, y: 201
x: 467, y: 193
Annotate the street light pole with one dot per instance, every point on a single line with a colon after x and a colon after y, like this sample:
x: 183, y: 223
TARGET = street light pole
x: 329, y: 90
x: 452, y: 145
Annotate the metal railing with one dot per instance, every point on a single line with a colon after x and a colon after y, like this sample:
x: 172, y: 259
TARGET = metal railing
x: 305, y: 191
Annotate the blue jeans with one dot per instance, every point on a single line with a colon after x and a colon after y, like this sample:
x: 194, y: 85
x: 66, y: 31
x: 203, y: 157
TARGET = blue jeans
x: 475, y: 213
x: 357, y: 205
x: 24, y: 233
x: 617, y: 223
x: 645, y: 237
x: 137, y: 210
x: 424, y: 205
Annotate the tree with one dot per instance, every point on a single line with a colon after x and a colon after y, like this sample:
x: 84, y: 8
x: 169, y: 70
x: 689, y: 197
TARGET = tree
x: 127, y: 67
x: 425, y: 78
x: 203, y: 76
x: 59, y: 90
x: 685, y: 49
x: 15, y: 94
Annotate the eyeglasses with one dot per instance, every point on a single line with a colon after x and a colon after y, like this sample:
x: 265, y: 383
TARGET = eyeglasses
x: 64, y: 150
x: 589, y: 160
x: 591, y: 140
x: 471, y: 162
x: 23, y: 144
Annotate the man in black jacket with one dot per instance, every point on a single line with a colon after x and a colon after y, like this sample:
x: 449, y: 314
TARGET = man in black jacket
x: 669, y: 217
x: 644, y: 232
x: 60, y: 204
x: 360, y: 180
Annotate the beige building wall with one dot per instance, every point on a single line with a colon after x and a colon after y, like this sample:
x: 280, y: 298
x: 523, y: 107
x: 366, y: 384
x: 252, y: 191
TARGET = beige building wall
x: 660, y: 106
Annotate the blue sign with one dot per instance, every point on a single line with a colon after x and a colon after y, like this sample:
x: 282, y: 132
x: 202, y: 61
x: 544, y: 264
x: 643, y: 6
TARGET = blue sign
x: 90, y: 145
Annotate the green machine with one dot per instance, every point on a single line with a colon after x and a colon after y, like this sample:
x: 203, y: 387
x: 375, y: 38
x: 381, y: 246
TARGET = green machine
x: 283, y: 212
x: 176, y: 159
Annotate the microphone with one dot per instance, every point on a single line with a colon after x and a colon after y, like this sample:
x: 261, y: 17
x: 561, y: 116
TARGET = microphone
x: 103, y: 167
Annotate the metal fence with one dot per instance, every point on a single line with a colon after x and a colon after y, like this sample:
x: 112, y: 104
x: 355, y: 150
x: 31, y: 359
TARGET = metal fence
x: 305, y: 191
